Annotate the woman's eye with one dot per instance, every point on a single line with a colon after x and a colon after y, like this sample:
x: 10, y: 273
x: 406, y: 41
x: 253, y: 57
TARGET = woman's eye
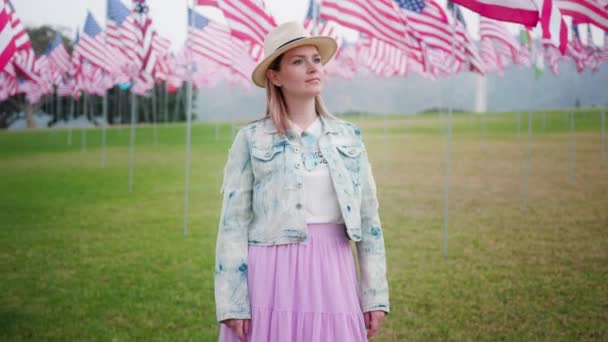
x: 297, y: 61
x: 317, y: 59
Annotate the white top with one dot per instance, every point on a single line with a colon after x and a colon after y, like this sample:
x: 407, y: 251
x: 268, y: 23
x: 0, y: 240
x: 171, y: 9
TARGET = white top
x: 320, y: 199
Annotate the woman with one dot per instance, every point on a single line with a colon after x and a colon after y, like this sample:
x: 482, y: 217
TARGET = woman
x: 297, y: 186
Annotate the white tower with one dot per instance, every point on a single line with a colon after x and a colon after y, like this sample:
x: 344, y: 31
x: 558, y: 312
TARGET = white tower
x: 481, y: 94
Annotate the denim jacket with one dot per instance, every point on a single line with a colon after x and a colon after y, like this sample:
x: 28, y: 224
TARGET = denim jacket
x: 262, y: 196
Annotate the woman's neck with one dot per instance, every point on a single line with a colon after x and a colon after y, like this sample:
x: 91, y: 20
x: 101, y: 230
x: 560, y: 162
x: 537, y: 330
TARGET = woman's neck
x: 301, y: 111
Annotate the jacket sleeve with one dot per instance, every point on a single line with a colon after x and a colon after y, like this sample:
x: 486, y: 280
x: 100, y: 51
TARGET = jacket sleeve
x: 370, y: 250
x: 231, y: 293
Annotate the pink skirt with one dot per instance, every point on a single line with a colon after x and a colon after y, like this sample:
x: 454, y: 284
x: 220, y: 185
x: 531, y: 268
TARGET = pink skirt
x: 304, y: 291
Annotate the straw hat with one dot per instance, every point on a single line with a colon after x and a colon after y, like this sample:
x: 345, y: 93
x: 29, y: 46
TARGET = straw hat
x: 285, y: 37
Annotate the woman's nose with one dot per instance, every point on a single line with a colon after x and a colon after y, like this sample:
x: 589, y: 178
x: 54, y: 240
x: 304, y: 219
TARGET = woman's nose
x: 313, y: 67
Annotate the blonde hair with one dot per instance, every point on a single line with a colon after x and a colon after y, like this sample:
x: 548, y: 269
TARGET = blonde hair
x: 276, y: 107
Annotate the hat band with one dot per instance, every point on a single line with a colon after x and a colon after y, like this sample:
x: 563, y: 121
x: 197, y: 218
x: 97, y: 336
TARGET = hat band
x: 289, y: 42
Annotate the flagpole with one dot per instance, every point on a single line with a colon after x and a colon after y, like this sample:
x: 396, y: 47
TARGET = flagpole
x: 178, y: 96
x: 448, y: 154
x: 603, y: 136
x: 534, y: 53
x: 103, y: 130
x: 166, y: 104
x: 316, y: 13
x: 528, y: 157
x: 105, y: 112
x: 83, y: 140
x: 70, y: 121
x: 133, y: 112
x: 188, y: 125
x: 153, y: 99
x: 572, y: 147
x: 119, y: 107
x: 58, y: 103
x: 132, y: 139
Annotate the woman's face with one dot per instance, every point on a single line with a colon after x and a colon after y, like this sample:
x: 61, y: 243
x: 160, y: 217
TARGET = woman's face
x: 301, y: 73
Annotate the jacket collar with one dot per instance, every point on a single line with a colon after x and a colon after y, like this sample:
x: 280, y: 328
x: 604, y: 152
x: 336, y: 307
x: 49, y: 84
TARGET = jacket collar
x: 328, y: 125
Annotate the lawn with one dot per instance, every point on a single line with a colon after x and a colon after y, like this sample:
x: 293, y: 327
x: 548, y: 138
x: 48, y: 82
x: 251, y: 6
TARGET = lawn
x: 82, y: 258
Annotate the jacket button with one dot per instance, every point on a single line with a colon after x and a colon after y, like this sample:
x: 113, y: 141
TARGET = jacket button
x: 298, y: 206
x: 296, y: 150
x: 297, y: 165
x: 299, y: 185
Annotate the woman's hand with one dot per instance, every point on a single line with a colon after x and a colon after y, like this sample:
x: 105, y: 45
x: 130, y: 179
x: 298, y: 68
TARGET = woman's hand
x: 240, y: 327
x: 373, y: 320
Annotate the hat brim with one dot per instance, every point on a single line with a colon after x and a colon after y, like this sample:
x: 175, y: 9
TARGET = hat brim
x: 326, y: 46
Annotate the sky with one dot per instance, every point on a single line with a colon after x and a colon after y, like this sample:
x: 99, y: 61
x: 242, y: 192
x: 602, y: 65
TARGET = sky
x: 169, y: 17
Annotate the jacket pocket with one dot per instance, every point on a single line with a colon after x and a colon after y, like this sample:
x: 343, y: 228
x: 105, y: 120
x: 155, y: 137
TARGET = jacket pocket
x: 265, y: 161
x: 350, y: 155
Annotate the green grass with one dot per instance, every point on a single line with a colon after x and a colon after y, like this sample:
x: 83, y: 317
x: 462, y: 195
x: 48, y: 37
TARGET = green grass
x: 81, y: 258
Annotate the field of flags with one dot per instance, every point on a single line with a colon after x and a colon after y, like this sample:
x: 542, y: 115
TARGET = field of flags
x: 396, y: 38
x: 523, y: 210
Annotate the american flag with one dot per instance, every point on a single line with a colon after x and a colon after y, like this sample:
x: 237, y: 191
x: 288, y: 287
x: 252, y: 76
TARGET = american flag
x: 344, y: 65
x: 92, y: 44
x: 506, y: 45
x: 43, y: 69
x: 58, y: 59
x: 524, y: 55
x: 242, y: 62
x: 316, y: 26
x: 553, y: 57
x: 430, y: 22
x: 605, y: 54
x: 490, y: 57
x: 161, y: 47
x: 121, y: 30
x: 163, y: 68
x: 472, y: 60
x: 594, y: 53
x: 208, y: 74
x: 576, y: 50
x: 209, y: 40
x: 383, y: 59
x: 76, y: 70
x: 517, y: 11
x: 249, y: 20
x: 20, y: 36
x: 24, y: 59
x: 381, y: 19
x: 554, y: 29
x: 8, y: 85
x: 586, y: 11
x: 25, y: 63
x: 142, y: 53
x: 92, y: 47
x: 178, y: 70
x: 94, y: 80
x: 67, y: 87
x: 442, y: 64
x: 121, y: 36
x: 206, y: 2
x: 7, y: 44
x: 32, y: 91
x: 160, y: 44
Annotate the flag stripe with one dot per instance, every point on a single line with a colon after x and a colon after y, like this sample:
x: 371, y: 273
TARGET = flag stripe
x: 517, y: 11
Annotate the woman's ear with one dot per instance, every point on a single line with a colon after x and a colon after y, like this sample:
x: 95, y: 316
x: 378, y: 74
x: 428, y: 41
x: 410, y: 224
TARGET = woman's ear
x: 273, y: 77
